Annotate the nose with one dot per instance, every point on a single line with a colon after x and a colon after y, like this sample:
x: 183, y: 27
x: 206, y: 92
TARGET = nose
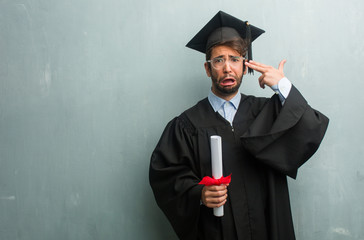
x: 227, y: 67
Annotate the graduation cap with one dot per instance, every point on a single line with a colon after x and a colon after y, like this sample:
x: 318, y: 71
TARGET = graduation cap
x: 224, y: 27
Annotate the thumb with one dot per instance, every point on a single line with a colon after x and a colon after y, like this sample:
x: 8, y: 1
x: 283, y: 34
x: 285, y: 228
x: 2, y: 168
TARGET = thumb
x: 281, y: 65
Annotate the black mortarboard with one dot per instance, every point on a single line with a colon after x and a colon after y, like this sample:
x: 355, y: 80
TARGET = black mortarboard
x: 224, y: 27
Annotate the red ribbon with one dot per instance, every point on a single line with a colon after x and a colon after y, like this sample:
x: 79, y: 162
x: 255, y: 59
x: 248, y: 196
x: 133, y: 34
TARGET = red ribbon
x: 208, y: 181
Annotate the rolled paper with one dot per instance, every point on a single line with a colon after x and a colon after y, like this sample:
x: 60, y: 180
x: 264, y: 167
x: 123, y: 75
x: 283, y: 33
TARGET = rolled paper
x: 216, y: 166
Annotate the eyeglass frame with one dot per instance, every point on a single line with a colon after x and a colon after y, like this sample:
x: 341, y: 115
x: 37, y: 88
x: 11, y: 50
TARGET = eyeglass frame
x: 224, y: 60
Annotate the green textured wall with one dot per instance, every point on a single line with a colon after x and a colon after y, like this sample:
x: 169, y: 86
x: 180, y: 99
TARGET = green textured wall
x: 86, y: 88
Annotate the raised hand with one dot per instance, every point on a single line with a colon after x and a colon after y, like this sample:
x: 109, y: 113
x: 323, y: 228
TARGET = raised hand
x: 270, y: 75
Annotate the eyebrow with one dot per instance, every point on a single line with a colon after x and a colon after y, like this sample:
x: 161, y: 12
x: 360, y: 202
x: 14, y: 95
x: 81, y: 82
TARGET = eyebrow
x: 222, y: 56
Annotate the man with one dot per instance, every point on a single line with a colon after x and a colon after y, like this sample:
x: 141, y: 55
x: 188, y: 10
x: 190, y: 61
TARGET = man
x: 263, y: 141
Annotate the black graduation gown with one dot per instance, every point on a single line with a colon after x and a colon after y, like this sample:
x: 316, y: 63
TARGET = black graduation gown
x: 266, y: 143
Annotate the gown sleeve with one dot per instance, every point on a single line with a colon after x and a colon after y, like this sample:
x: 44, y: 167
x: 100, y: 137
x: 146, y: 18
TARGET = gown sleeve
x: 174, y: 181
x: 285, y: 137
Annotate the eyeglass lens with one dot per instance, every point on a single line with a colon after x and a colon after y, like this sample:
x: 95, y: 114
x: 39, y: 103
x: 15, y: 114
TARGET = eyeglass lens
x: 233, y: 61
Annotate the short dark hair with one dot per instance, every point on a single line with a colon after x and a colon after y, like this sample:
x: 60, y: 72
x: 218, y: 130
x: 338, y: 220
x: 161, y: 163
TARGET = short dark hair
x: 238, y: 44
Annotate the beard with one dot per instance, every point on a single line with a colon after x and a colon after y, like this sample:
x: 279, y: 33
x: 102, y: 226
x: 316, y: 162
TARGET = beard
x: 226, y: 90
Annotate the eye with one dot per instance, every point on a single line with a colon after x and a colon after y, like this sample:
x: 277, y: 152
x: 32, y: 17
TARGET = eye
x: 236, y: 59
x: 218, y: 60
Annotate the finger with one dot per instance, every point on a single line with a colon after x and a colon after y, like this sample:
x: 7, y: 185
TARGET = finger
x: 261, y: 78
x: 208, y: 191
x: 261, y: 81
x: 219, y: 204
x: 281, y: 65
x: 215, y: 193
x: 216, y: 200
x: 258, y: 64
x: 216, y: 187
x: 223, y: 203
x: 256, y: 67
x: 215, y: 205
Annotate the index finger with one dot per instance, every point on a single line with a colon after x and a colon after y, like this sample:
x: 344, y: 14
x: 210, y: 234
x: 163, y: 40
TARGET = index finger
x: 256, y: 67
x: 258, y: 64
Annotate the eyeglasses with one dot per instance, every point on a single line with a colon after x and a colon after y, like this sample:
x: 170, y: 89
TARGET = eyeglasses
x: 219, y: 62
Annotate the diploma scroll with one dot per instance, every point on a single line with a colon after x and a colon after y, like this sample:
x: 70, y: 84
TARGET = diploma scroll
x: 216, y: 164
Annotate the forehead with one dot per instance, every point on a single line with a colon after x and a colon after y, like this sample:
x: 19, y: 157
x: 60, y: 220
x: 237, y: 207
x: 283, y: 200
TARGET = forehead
x: 223, y: 51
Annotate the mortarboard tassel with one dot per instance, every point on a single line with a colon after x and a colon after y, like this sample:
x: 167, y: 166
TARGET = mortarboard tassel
x: 249, y: 39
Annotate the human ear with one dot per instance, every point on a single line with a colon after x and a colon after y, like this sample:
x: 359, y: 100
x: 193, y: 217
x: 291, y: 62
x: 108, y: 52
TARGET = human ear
x: 207, y: 69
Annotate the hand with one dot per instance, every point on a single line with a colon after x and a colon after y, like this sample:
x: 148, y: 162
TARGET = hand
x: 214, y: 196
x: 270, y: 75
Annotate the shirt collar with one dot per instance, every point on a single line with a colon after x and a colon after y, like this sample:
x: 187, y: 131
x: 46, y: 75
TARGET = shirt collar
x: 217, y: 102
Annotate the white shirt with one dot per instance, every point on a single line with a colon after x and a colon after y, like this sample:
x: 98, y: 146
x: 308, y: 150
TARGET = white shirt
x: 227, y: 109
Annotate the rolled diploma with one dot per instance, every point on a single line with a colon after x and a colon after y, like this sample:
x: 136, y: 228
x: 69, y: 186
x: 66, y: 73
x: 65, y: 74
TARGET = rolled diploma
x: 216, y: 165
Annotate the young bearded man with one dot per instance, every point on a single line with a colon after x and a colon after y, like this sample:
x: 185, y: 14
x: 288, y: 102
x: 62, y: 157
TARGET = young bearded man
x: 263, y: 141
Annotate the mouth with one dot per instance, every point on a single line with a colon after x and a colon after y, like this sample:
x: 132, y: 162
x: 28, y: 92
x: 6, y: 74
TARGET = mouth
x: 227, y: 81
